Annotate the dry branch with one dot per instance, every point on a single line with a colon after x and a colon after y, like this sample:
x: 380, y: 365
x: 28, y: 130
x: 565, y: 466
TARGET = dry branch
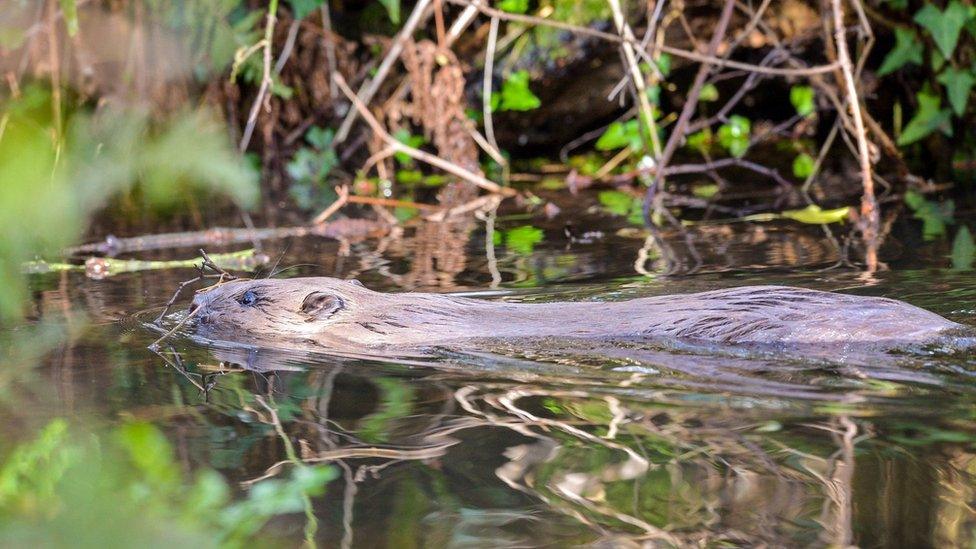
x: 417, y: 154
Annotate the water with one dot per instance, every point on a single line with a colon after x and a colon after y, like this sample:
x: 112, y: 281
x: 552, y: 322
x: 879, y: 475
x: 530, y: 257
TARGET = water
x: 559, y: 444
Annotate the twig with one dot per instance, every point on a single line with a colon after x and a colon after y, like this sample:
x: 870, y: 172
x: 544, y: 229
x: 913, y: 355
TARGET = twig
x: 330, y: 55
x: 869, y: 206
x: 343, y: 197
x: 626, y: 44
x: 487, y: 82
x: 416, y: 154
x: 368, y: 90
x: 691, y: 103
x: 676, y: 52
x: 252, y: 117
x: 482, y: 202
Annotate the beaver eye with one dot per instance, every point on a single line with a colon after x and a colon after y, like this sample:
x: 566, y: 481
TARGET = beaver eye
x: 248, y: 298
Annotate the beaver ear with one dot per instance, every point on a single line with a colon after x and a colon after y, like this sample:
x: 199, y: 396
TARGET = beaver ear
x: 321, y: 305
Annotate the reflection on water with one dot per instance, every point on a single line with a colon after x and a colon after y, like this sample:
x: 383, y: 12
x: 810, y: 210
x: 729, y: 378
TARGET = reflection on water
x: 559, y: 443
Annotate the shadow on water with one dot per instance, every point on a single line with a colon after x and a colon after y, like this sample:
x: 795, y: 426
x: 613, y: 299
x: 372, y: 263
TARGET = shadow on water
x: 543, y: 443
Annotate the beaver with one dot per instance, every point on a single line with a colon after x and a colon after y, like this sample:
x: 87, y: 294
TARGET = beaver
x: 343, y: 315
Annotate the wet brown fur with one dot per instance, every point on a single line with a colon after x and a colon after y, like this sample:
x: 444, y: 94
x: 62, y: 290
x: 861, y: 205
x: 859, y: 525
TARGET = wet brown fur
x: 359, y: 318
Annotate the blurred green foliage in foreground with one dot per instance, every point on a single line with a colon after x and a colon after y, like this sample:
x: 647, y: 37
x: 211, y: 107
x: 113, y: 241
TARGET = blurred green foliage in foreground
x: 63, y: 490
x: 55, y: 173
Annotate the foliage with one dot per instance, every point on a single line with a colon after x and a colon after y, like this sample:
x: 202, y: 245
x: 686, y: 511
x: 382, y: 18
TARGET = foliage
x: 51, y: 185
x: 734, y: 135
x: 934, y: 215
x: 803, y: 165
x: 963, y: 250
x: 623, y: 204
x: 56, y: 486
x: 309, y: 170
x: 929, y: 118
x: 515, y: 94
x: 520, y: 240
x: 621, y: 134
x: 801, y: 97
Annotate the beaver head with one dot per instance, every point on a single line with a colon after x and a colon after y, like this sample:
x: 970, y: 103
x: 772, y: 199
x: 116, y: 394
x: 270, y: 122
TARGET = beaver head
x: 273, y: 309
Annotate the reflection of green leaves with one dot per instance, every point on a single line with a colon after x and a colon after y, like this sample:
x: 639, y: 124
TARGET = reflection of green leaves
x: 963, y: 250
x: 958, y: 84
x: 619, y: 135
x: 944, y: 26
x: 734, y: 135
x: 803, y: 166
x: 623, y: 204
x: 395, y: 402
x: 928, y: 118
x: 907, y: 50
x: 522, y: 240
x: 802, y: 99
x: 934, y: 215
x: 515, y: 94
x: 513, y: 6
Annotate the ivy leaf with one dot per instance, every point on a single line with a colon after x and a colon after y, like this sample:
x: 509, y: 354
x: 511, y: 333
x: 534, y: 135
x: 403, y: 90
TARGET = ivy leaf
x: 934, y: 215
x: 802, y: 99
x: 708, y: 93
x: 734, y: 135
x: 516, y: 95
x: 701, y: 141
x: 963, y: 250
x: 619, y: 135
x: 958, y: 84
x: 513, y: 6
x: 928, y: 118
x: 803, y: 166
x: 944, y: 26
x: 907, y: 50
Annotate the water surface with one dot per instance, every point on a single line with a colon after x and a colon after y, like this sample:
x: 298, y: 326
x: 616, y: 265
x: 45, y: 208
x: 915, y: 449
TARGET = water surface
x: 561, y: 443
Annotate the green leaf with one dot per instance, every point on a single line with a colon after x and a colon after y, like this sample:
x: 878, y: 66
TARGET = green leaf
x: 302, y: 8
x: 701, y: 140
x: 958, y: 84
x: 907, y: 50
x: 404, y: 136
x: 392, y: 9
x: 705, y: 191
x: 928, y: 118
x: 934, y: 215
x: 70, y: 11
x: 664, y: 64
x: 513, y: 6
x: 619, y: 135
x: 516, y: 95
x: 944, y: 26
x: 814, y: 215
x: 734, y: 135
x: 522, y: 240
x: 623, y: 204
x: 803, y: 166
x: 963, y: 250
x: 802, y: 99
x: 708, y: 93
